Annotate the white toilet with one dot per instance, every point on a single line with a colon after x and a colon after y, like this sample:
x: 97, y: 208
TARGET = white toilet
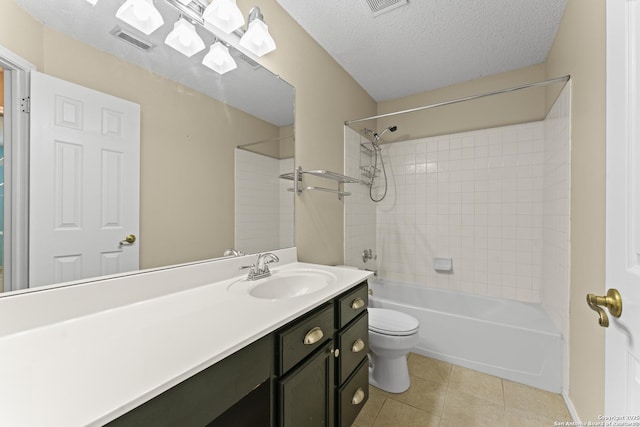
x: 391, y: 335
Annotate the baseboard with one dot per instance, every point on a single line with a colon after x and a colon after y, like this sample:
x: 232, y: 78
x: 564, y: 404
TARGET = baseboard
x: 571, y: 408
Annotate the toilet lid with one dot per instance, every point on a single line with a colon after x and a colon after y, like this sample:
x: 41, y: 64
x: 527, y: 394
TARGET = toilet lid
x: 391, y: 322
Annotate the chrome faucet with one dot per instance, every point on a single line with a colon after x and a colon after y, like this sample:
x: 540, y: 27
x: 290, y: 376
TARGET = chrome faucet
x: 260, y: 269
x: 232, y: 252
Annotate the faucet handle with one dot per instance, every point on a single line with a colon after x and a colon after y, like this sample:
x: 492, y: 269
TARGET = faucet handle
x: 252, y: 270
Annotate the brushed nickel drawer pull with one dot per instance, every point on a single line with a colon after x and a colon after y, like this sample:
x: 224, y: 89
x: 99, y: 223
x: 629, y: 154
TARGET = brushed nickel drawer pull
x: 313, y: 336
x: 358, y: 396
x: 358, y: 345
x: 357, y: 304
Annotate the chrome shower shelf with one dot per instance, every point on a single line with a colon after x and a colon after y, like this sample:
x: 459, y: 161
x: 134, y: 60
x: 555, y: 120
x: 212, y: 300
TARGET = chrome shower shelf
x: 341, y: 179
x: 364, y: 149
x: 331, y: 175
x: 288, y: 175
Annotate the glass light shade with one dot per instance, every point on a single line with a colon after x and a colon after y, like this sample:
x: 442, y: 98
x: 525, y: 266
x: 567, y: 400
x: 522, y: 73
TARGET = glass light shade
x: 224, y: 14
x: 257, y: 38
x: 93, y: 2
x: 140, y: 14
x: 184, y: 38
x: 219, y: 59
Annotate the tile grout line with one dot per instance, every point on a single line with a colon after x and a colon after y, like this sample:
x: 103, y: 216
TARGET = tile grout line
x: 446, y: 394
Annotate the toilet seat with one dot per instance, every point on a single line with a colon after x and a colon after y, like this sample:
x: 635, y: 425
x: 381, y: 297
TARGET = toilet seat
x: 391, y: 322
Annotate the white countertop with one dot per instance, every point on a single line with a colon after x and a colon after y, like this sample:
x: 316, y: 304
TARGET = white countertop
x: 114, y: 352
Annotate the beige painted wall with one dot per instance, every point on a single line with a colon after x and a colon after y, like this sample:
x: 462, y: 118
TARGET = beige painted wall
x: 500, y: 110
x: 579, y: 50
x: 326, y: 96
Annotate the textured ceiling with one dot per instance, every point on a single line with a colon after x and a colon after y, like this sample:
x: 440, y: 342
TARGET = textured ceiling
x: 429, y: 44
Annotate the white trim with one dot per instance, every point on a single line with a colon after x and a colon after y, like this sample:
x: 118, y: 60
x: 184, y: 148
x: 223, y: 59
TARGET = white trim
x: 571, y: 408
x: 13, y: 61
x: 16, y: 213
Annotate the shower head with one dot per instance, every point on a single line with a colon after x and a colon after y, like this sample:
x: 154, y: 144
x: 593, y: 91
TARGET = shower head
x: 377, y: 136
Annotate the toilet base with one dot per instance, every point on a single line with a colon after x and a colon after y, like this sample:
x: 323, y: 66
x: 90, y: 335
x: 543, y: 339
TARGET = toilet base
x: 389, y: 374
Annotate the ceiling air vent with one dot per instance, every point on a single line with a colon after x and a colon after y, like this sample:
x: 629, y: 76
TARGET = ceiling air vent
x: 131, y: 39
x: 378, y: 7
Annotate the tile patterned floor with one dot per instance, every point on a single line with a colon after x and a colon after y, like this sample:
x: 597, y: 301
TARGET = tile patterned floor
x: 446, y: 395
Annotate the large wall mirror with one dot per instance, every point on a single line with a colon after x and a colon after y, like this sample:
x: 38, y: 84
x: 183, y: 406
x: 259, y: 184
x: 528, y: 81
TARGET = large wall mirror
x: 199, y: 131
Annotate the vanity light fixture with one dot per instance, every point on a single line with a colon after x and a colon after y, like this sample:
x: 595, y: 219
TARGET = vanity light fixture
x: 221, y: 18
x: 184, y: 38
x: 140, y: 14
x: 224, y: 14
x: 219, y: 59
x: 257, y: 39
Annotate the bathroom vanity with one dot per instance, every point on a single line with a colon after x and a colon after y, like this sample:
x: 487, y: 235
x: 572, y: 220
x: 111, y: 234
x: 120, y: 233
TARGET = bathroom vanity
x: 191, y: 345
x: 310, y: 372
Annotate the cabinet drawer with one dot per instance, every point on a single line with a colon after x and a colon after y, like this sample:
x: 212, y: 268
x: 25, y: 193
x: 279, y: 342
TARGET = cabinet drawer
x: 353, y: 343
x: 353, y: 395
x: 352, y: 304
x: 301, y: 339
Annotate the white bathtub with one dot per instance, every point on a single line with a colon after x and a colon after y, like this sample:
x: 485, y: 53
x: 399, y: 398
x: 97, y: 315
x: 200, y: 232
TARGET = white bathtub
x: 509, y: 339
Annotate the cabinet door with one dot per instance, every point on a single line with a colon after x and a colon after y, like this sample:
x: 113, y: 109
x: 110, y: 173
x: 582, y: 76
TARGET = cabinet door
x: 305, y: 395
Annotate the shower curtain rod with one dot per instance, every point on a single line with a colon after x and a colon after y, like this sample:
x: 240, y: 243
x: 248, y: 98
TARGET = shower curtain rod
x: 563, y: 79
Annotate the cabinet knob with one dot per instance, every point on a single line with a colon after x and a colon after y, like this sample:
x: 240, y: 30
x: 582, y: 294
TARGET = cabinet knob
x: 358, y: 345
x: 358, y: 396
x: 313, y: 336
x: 357, y: 303
x: 336, y: 352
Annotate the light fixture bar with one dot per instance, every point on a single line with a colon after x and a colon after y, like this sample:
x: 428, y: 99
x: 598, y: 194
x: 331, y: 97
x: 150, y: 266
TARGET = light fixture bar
x: 194, y: 12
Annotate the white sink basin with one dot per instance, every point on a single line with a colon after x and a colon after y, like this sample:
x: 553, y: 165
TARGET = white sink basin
x: 286, y: 284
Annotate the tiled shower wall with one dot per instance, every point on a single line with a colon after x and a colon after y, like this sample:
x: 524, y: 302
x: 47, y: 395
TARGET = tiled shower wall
x: 360, y: 211
x: 476, y: 197
x: 263, y: 207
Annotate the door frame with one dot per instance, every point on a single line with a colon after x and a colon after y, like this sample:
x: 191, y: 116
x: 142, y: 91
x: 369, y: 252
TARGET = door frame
x: 16, y: 166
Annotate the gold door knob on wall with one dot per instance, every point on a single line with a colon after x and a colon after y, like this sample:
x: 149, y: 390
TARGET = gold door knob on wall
x: 612, y: 301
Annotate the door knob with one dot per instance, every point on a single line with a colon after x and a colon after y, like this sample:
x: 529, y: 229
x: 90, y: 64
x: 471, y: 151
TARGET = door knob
x: 129, y: 240
x: 612, y: 301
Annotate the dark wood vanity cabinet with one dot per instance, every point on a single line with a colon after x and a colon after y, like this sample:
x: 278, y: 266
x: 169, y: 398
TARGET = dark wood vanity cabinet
x: 323, y: 377
x: 311, y: 372
x: 352, y: 367
x: 236, y: 387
